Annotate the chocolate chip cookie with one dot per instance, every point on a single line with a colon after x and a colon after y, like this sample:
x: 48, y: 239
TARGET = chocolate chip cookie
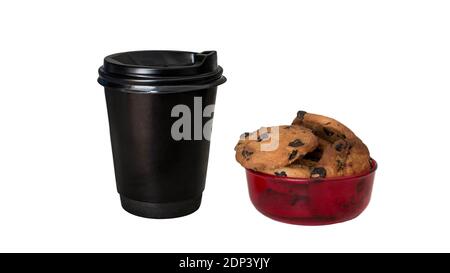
x: 358, y: 159
x: 293, y: 170
x: 274, y: 147
x: 327, y: 160
x: 314, y: 146
x: 333, y: 159
x: 324, y: 127
x: 342, y: 158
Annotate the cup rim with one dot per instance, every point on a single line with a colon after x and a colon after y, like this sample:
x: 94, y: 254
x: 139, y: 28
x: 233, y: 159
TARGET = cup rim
x: 309, y: 180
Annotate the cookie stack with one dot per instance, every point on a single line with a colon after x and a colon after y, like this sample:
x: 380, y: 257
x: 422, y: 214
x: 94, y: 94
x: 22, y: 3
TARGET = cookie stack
x: 313, y: 146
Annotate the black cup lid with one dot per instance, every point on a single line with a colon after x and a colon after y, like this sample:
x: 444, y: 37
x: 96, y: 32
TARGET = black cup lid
x: 158, y: 71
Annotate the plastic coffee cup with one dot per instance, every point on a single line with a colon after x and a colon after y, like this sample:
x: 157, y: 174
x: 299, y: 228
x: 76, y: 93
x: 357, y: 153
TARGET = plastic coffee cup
x: 160, y: 109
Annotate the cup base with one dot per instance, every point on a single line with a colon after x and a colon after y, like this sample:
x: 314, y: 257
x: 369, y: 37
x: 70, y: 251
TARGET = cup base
x: 161, y: 210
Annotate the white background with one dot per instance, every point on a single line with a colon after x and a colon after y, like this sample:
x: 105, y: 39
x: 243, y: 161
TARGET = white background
x: 381, y: 67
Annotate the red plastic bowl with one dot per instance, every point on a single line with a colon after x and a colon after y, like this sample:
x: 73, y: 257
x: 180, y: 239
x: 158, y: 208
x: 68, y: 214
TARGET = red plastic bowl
x: 310, y: 202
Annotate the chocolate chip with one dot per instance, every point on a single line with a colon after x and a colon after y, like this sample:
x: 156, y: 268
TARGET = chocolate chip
x: 262, y: 137
x: 315, y: 155
x: 318, y: 173
x: 292, y: 155
x: 339, y: 147
x: 328, y: 132
x: 296, y: 143
x: 245, y: 135
x: 301, y: 115
x: 282, y: 173
x: 246, y: 153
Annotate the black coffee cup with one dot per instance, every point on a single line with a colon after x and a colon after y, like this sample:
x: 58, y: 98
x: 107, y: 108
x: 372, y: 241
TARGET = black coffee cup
x: 160, y: 108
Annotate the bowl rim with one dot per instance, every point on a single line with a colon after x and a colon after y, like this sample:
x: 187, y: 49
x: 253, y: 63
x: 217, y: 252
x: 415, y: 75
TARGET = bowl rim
x: 309, y: 180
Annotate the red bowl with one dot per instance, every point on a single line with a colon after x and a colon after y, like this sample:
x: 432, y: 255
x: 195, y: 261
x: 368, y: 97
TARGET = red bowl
x: 310, y: 201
